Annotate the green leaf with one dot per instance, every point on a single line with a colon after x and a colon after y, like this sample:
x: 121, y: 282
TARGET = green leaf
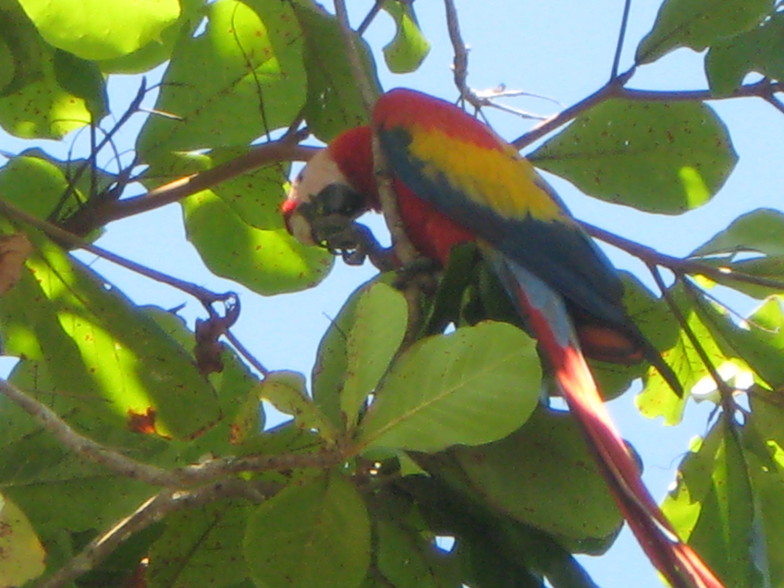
x: 761, y: 231
x: 657, y: 399
x: 408, y: 49
x: 334, y: 100
x: 94, y: 29
x: 159, y: 49
x: 32, y: 103
x: 286, y: 392
x: 24, y: 49
x: 763, y: 438
x: 380, y: 319
x: 473, y: 386
x: 760, y: 49
x: 517, y: 475
x: 59, y: 490
x: 313, y: 534
x: 699, y: 24
x: 256, y: 83
x: 21, y: 553
x: 266, y: 261
x: 236, y: 389
x: 236, y: 225
x: 666, y: 157
x: 714, y: 507
x: 25, y: 174
x: 104, y: 356
x: 201, y: 547
x: 404, y: 558
x: 7, y: 65
x: 82, y: 78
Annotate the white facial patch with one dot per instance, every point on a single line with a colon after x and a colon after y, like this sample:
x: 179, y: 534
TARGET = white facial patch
x: 320, y: 172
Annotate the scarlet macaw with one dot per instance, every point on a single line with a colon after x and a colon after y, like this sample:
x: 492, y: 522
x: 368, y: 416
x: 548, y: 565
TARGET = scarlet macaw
x: 455, y: 181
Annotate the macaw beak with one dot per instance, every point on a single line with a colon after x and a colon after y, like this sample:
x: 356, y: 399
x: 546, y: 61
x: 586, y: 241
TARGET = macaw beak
x: 314, y: 219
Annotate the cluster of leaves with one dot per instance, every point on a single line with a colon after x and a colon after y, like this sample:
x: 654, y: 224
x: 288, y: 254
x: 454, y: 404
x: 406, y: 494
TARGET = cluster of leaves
x: 442, y: 437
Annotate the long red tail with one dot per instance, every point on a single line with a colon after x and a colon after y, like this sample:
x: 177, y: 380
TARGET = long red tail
x: 548, y: 318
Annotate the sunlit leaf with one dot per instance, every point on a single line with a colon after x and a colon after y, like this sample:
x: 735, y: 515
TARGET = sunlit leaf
x: 315, y: 533
x: 666, y: 157
x: 96, y: 345
x: 159, y: 49
x: 286, y: 391
x: 408, y: 49
x: 93, y: 29
x: 473, y: 386
x: 715, y: 509
x: 657, y: 399
x: 256, y: 82
x: 33, y: 103
x: 21, y: 553
x: 266, y: 261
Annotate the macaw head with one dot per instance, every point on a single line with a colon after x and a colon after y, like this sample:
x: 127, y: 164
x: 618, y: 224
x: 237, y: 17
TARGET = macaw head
x: 332, y: 190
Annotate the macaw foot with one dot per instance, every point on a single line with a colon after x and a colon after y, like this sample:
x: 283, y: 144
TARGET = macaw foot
x: 422, y: 272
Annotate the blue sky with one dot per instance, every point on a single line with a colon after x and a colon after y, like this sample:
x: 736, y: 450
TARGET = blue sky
x: 562, y: 50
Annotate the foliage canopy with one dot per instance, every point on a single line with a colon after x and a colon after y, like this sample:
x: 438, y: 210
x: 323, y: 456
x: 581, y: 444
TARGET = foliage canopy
x: 133, y: 447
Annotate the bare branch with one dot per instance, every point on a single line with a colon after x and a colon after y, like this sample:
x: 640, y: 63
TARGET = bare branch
x: 98, y: 213
x: 460, y: 59
x: 611, y: 89
x: 184, y: 477
x: 615, y: 89
x: 678, y: 265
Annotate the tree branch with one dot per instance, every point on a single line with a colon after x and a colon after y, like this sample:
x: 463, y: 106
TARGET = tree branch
x: 615, y: 89
x: 85, y: 447
x: 184, y: 477
x: 678, y: 265
x: 100, y: 212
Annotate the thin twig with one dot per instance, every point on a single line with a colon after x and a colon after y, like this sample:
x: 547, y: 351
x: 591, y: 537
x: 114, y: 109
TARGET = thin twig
x: 621, y: 36
x: 369, y: 17
x: 678, y: 265
x: 460, y: 54
x: 243, y: 351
